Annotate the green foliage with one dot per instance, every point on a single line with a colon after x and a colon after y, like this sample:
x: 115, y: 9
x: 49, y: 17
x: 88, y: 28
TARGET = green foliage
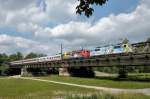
x: 125, y: 41
x: 3, y: 66
x: 148, y: 40
x: 85, y: 6
x: 4, y: 69
x: 17, y: 56
x: 129, y: 69
x: 33, y: 55
x: 107, y: 69
x: 3, y: 58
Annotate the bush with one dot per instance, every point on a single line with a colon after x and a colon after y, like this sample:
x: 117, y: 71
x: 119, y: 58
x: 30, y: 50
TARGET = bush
x: 4, y: 70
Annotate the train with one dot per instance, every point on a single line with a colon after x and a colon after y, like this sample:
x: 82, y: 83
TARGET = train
x: 84, y: 53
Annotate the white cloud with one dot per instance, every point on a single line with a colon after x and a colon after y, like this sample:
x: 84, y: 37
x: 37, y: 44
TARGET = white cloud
x: 60, y: 24
x: 11, y: 44
x: 134, y: 26
x: 61, y: 10
x: 15, y: 12
x: 14, y: 5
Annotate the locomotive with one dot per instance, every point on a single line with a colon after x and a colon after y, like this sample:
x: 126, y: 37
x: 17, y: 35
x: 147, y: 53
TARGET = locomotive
x: 77, y: 54
x: 112, y: 49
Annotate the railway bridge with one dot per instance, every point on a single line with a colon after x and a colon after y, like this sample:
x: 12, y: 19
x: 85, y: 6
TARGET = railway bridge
x: 121, y: 59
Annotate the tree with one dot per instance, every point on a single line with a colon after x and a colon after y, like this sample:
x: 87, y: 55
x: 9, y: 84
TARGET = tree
x: 31, y: 55
x: 34, y: 55
x: 85, y: 6
x: 3, y: 58
x: 4, y: 69
x: 125, y: 41
x: 41, y: 55
x: 17, y: 56
x: 148, y: 40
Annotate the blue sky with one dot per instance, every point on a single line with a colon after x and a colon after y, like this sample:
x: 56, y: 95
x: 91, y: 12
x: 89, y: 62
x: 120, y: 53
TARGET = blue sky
x: 42, y: 25
x: 115, y: 7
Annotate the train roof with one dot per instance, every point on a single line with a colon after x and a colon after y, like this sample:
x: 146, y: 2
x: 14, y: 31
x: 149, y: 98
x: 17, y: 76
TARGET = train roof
x: 50, y: 56
x: 119, y: 44
x: 140, y: 44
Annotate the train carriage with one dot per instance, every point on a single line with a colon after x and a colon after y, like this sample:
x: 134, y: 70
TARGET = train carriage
x: 50, y: 58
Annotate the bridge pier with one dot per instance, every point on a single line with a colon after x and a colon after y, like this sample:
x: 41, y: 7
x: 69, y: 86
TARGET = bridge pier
x: 122, y: 73
x: 24, y: 72
x: 64, y: 72
x: 76, y: 72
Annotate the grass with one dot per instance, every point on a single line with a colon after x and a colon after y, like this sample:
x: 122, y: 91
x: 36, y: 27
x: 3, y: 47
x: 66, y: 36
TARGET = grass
x: 102, y: 82
x: 107, y: 96
x: 28, y: 89
x: 140, y: 75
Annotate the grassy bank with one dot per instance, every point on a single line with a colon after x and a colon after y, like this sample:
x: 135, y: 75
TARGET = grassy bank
x: 101, y: 81
x: 107, y: 96
x: 28, y: 89
x: 139, y: 75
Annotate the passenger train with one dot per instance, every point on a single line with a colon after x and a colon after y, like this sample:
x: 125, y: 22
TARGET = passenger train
x: 112, y: 49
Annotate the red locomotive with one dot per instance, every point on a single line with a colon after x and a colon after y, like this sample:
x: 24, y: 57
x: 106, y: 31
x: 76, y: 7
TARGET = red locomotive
x: 77, y: 54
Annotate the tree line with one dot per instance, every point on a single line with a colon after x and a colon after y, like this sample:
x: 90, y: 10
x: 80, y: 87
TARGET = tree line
x: 4, y: 59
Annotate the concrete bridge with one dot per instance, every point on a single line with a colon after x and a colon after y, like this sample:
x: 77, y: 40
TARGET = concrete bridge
x: 122, y: 59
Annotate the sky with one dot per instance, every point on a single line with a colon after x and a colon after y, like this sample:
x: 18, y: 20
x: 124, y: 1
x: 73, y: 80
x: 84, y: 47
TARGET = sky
x: 42, y: 25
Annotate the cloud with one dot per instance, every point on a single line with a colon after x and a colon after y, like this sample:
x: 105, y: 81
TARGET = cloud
x: 60, y: 24
x: 14, y: 5
x: 24, y: 16
x: 133, y: 25
x: 41, y: 4
x: 16, y: 12
x: 11, y: 44
x: 61, y: 10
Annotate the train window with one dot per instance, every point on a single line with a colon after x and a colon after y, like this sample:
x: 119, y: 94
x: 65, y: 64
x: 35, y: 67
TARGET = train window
x: 97, y: 49
x: 116, y: 46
